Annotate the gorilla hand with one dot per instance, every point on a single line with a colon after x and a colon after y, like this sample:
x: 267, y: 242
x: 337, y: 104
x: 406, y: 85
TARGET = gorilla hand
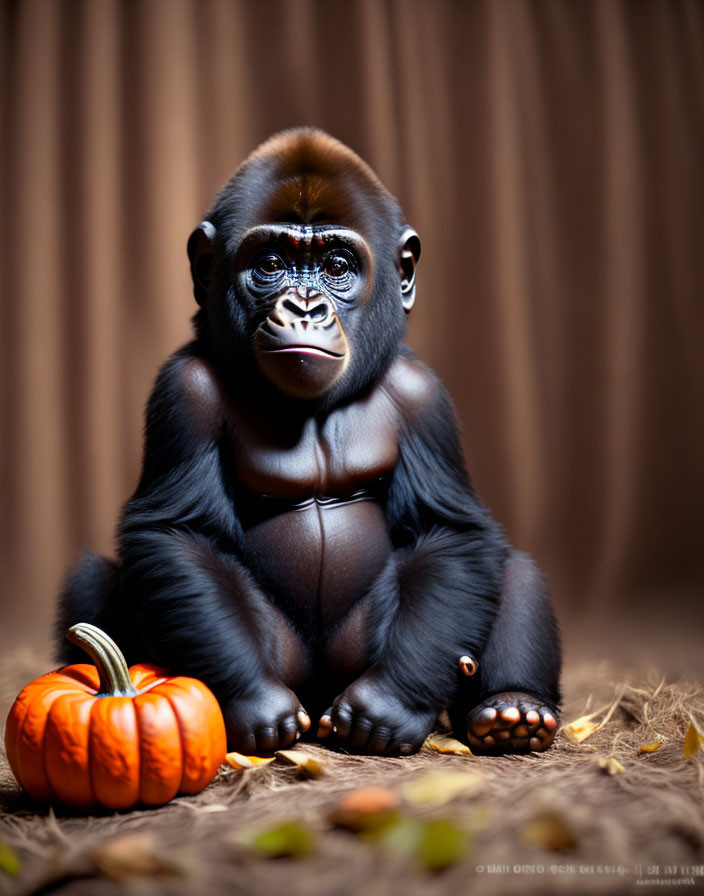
x: 268, y: 717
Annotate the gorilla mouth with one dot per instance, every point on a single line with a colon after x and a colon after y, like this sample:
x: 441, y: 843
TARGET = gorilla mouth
x: 304, y: 350
x: 301, y: 361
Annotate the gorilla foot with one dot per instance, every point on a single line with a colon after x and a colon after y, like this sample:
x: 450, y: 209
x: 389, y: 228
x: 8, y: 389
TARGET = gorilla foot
x: 368, y: 717
x: 267, y: 719
x: 511, y: 722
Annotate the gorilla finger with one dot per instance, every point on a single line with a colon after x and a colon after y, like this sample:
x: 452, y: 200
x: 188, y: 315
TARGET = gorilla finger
x: 509, y: 715
x: 244, y: 743
x: 325, y: 725
x: 342, y: 720
x: 267, y: 739
x: 287, y: 731
x: 359, y: 734
x: 303, y: 719
x: 379, y: 740
x: 481, y: 721
x: 549, y: 721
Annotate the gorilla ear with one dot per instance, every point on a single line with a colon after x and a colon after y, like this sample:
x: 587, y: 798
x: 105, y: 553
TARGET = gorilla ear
x: 201, y: 249
x: 409, y: 253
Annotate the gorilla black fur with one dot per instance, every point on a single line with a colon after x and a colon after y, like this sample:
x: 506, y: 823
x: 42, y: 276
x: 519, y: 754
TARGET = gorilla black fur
x: 304, y: 536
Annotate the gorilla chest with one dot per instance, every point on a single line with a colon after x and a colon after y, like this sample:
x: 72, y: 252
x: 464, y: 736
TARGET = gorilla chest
x: 314, y: 525
x: 349, y: 450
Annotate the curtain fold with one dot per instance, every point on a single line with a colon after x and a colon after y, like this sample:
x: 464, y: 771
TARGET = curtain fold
x: 551, y: 157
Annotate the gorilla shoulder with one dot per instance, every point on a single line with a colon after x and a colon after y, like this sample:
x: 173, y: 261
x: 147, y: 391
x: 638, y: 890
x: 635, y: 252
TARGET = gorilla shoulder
x: 414, y: 388
x: 196, y: 389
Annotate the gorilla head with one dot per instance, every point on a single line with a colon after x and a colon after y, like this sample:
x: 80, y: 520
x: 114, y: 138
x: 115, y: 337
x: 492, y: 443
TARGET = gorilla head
x: 304, y: 268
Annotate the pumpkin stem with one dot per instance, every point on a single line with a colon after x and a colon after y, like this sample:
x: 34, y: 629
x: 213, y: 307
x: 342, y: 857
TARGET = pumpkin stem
x: 114, y: 675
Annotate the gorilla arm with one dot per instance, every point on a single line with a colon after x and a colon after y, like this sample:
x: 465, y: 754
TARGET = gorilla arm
x: 440, y: 599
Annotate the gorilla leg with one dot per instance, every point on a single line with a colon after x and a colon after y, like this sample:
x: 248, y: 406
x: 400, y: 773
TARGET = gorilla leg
x: 201, y: 613
x: 90, y: 593
x: 514, y: 699
x: 420, y: 611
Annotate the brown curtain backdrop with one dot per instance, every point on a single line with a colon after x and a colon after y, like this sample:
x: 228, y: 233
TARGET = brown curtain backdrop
x: 551, y: 156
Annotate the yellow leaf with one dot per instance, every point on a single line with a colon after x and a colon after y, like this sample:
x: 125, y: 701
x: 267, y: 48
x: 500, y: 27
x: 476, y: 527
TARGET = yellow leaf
x: 438, y: 787
x: 694, y: 739
x: 585, y: 726
x: 580, y: 729
x: 237, y: 760
x: 307, y: 765
x: 649, y: 748
x: 549, y: 831
x: 443, y: 743
x: 611, y: 766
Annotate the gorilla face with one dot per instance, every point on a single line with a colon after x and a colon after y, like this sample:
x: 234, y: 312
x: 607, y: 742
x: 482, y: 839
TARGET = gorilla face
x: 306, y: 282
x: 304, y: 269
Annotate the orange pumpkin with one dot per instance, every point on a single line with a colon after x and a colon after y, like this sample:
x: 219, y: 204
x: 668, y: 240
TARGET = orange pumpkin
x: 113, y: 736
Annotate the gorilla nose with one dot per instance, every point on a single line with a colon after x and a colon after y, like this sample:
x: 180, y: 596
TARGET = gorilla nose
x: 295, y: 310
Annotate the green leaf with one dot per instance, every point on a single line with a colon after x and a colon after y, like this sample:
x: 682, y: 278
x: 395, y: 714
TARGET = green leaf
x: 441, y: 844
x: 9, y: 861
x: 396, y: 833
x: 290, y: 839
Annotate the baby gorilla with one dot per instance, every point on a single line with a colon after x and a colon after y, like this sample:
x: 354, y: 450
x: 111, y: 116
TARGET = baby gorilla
x: 304, y: 537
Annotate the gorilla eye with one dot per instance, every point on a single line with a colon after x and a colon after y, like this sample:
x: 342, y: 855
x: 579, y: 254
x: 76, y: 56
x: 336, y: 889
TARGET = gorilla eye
x: 269, y: 265
x: 336, y: 266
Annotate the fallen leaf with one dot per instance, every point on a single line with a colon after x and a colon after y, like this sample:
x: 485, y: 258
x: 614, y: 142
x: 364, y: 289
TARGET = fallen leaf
x: 396, y: 833
x: 366, y: 808
x: 443, y: 743
x: 649, y: 748
x: 290, y: 839
x: 237, y: 760
x: 129, y: 854
x: 580, y: 729
x: 550, y: 831
x: 610, y: 765
x: 9, y: 860
x: 441, y: 844
x: 306, y: 764
x: 585, y: 726
x: 437, y: 844
x: 438, y: 787
x: 693, y: 740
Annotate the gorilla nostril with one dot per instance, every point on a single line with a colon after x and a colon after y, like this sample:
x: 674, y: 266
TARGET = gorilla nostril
x: 268, y: 326
x: 276, y: 318
x: 293, y: 308
x: 304, y: 324
x: 318, y: 312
